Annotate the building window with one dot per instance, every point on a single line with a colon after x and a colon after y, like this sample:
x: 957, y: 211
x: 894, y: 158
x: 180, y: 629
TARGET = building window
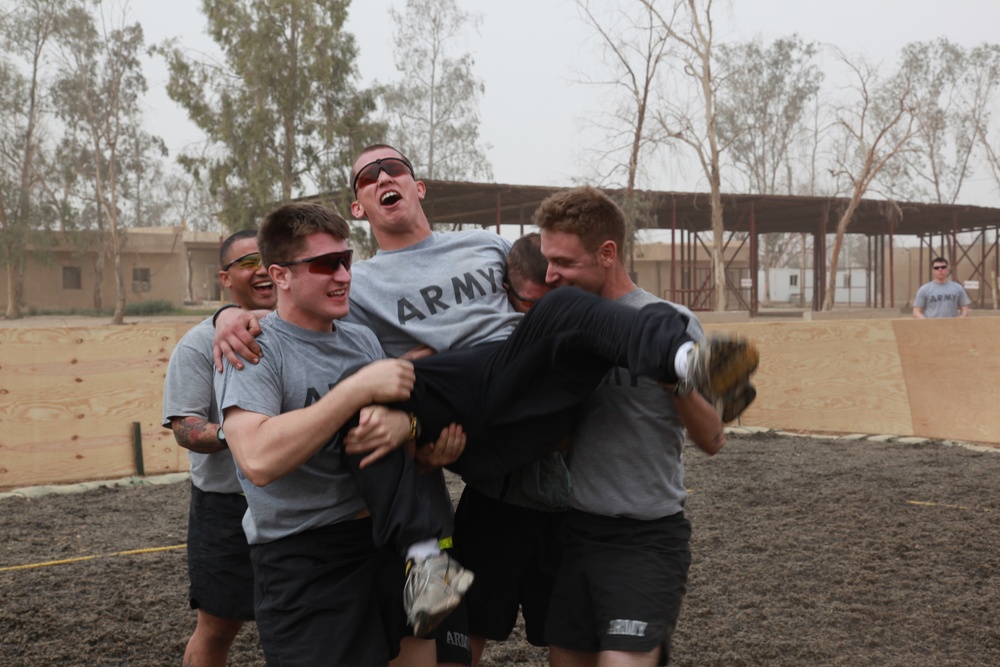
x: 72, y: 278
x: 140, y: 280
x: 793, y: 280
x: 847, y: 280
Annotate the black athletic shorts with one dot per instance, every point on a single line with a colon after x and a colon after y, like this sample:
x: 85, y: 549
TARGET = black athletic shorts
x: 452, y: 637
x: 620, y: 584
x: 218, y: 556
x: 514, y: 553
x: 328, y: 596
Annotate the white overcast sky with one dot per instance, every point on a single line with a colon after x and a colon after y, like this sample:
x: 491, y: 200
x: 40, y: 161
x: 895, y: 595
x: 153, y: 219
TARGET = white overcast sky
x: 529, y: 54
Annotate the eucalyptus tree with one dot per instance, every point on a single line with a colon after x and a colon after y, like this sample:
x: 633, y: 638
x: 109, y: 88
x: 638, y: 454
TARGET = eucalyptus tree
x: 690, y: 115
x: 946, y: 120
x: 433, y: 108
x: 98, y: 95
x: 982, y: 78
x: 282, y: 112
x: 763, y: 116
x: 634, y: 48
x: 27, y: 31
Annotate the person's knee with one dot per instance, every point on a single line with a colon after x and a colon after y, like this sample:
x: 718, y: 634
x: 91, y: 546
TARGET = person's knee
x: 218, y: 631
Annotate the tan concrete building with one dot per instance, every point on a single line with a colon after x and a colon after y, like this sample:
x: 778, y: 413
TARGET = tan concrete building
x: 157, y: 263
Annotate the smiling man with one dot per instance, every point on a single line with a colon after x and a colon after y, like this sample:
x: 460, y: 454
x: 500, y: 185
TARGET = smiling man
x: 326, y: 593
x: 221, y: 578
x: 623, y: 575
x: 514, y: 389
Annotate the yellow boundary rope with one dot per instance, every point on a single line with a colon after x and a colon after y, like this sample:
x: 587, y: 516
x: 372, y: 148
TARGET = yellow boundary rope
x: 951, y: 507
x: 66, y: 561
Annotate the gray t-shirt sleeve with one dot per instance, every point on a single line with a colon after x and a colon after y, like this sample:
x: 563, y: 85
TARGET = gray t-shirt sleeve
x: 187, y: 389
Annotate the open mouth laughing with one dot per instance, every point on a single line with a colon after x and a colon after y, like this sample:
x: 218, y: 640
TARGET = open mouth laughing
x: 389, y: 197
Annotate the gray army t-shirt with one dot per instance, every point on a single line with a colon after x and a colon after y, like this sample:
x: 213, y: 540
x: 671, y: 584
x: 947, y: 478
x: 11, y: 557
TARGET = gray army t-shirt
x: 297, y: 368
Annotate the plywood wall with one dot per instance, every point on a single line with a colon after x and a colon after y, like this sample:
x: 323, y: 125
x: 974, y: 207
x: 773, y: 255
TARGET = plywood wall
x: 69, y: 396
x: 929, y: 378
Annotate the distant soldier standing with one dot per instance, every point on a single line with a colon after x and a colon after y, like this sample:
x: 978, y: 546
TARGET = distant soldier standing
x: 941, y: 297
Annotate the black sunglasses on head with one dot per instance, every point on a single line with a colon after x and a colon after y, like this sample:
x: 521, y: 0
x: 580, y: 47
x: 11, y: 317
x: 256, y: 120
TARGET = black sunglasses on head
x: 368, y: 174
x: 325, y: 264
x: 249, y: 261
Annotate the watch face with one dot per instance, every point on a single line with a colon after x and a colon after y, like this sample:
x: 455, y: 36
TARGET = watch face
x: 220, y: 435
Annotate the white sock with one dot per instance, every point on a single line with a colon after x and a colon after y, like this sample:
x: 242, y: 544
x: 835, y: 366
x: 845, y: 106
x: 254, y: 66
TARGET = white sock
x: 681, y: 360
x: 423, y: 550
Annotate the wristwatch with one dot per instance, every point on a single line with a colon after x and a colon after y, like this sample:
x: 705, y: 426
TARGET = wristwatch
x: 221, y: 436
x: 415, y: 427
x: 683, y: 388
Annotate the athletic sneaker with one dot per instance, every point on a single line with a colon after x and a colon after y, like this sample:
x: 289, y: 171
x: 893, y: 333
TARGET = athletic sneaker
x: 434, y: 587
x: 720, y: 370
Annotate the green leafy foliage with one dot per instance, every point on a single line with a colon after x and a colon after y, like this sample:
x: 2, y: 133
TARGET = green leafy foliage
x: 282, y: 112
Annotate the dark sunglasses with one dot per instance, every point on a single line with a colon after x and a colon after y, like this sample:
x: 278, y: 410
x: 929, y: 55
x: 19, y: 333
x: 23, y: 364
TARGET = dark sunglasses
x: 248, y: 261
x: 368, y: 174
x: 940, y: 268
x: 325, y: 264
x: 510, y: 288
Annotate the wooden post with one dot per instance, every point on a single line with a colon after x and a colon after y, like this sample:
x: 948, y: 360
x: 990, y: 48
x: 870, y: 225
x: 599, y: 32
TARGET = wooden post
x: 140, y: 468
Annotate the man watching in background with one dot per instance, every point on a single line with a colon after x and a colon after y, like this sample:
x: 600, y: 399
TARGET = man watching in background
x: 941, y: 297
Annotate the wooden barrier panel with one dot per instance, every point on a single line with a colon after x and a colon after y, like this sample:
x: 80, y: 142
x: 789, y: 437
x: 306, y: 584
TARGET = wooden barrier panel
x: 69, y: 398
x: 928, y: 378
x: 837, y: 376
x: 952, y: 368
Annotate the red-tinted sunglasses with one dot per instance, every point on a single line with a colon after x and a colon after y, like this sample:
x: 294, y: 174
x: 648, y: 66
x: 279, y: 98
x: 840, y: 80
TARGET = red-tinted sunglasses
x: 368, y: 174
x: 325, y: 264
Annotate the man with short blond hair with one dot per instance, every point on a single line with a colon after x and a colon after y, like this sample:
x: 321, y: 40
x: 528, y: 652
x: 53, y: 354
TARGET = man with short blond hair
x: 626, y: 550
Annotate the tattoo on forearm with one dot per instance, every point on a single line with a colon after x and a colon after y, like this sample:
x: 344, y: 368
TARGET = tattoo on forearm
x: 198, y: 435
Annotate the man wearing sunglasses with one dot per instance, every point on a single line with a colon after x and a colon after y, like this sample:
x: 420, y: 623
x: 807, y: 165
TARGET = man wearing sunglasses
x: 444, y: 292
x: 326, y: 593
x: 219, y: 570
x: 433, y: 292
x: 941, y: 297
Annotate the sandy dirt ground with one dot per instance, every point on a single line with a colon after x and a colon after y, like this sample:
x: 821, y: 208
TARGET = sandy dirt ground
x: 806, y: 552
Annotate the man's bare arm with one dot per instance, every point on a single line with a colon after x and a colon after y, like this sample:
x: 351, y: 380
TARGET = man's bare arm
x: 268, y: 448
x: 197, y: 434
x: 236, y: 331
x: 701, y: 422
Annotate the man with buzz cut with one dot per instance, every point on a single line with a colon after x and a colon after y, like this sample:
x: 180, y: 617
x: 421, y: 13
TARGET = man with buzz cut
x: 219, y: 570
x: 941, y: 297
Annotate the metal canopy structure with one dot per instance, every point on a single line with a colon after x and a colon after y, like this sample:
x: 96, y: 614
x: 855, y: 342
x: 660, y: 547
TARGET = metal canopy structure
x: 937, y: 226
x: 688, y: 214
x: 488, y: 204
